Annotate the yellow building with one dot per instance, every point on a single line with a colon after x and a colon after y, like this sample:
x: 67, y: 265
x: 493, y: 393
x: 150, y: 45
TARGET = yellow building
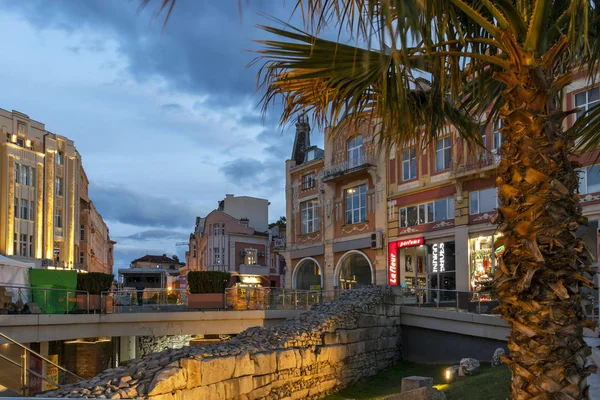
x: 40, y: 179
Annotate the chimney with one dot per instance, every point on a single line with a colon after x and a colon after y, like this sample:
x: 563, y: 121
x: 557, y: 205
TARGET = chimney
x: 302, y: 139
x: 244, y: 221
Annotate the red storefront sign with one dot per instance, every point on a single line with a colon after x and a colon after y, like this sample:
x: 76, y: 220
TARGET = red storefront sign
x: 393, y: 257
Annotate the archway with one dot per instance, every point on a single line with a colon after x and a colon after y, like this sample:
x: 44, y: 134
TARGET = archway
x: 354, y: 270
x: 307, y: 275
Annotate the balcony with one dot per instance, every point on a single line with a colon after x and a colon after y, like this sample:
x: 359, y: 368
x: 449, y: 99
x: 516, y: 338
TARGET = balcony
x: 348, y: 168
x: 279, y: 243
x: 484, y: 163
x: 254, y: 269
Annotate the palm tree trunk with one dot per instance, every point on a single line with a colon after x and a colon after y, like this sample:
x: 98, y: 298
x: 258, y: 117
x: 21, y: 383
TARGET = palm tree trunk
x: 541, y: 274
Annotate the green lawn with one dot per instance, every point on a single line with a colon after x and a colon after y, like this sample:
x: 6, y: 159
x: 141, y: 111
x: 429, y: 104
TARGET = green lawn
x: 490, y: 384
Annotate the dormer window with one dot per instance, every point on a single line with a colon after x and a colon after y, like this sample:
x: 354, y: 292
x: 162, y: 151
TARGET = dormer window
x: 310, y: 155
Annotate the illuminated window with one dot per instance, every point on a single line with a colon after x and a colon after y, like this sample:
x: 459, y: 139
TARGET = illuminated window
x: 250, y: 257
x: 356, y: 204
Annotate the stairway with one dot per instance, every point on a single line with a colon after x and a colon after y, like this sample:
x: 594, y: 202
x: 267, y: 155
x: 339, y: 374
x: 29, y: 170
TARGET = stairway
x: 17, y: 377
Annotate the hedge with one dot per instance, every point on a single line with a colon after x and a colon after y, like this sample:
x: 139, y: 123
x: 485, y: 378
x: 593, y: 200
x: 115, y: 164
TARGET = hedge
x: 208, y: 281
x: 94, y: 282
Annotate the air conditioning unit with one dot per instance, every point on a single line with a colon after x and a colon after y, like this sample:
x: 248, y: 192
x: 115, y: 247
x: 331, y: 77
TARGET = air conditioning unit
x: 377, y: 240
x: 261, y: 253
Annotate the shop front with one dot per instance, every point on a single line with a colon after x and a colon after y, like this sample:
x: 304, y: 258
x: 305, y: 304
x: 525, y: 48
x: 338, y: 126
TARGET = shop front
x: 425, y: 271
x: 483, y: 262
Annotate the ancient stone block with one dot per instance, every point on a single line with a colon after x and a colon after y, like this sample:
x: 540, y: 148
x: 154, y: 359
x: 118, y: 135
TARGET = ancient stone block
x: 286, y: 359
x: 356, y: 348
x: 331, y: 338
x: 337, y: 353
x: 243, y: 366
x: 167, y: 381
x: 217, y: 369
x: 307, y: 358
x: 414, y: 382
x: 193, y: 369
x: 264, y: 363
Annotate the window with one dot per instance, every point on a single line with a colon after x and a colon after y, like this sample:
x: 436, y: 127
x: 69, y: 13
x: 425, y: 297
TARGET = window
x: 24, y: 175
x: 16, y: 209
x: 355, y: 151
x: 309, y: 216
x: 81, y: 257
x: 17, y: 173
x: 589, y: 179
x: 21, y: 142
x: 310, y: 155
x: 15, y: 244
x: 30, y: 176
x: 356, y: 204
x: 587, y: 99
x: 308, y: 181
x: 24, y: 209
x: 31, y: 216
x: 81, y: 232
x: 23, y: 245
x: 481, y: 201
x: 195, y: 252
x: 60, y: 158
x: 433, y: 211
x: 58, y: 187
x: 217, y: 229
x: 216, y: 255
x: 31, y: 246
x: 409, y: 164
x: 498, y: 139
x: 444, y: 209
x: 58, y: 218
x: 443, y: 153
x: 250, y: 257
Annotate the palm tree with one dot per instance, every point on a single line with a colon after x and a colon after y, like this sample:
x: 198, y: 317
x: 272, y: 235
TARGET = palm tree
x: 482, y: 60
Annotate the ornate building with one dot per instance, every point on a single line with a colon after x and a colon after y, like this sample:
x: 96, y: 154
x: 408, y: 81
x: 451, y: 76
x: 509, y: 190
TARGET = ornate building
x: 40, y: 176
x: 336, y: 211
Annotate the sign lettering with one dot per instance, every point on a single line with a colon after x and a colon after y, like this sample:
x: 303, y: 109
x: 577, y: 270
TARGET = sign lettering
x: 393, y: 264
x: 438, y: 262
x: 410, y: 242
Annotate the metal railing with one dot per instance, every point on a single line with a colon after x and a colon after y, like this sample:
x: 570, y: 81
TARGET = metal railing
x: 276, y: 299
x: 483, y: 160
x: 18, y: 299
x: 456, y: 300
x: 348, y: 165
x: 32, y: 381
x: 147, y: 300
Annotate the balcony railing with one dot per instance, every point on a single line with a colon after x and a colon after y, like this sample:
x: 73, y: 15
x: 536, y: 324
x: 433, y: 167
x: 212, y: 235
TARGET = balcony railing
x: 348, y: 166
x: 483, y: 162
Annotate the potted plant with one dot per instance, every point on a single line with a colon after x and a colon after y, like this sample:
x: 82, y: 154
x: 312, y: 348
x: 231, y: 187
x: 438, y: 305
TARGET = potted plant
x: 207, y: 289
x: 94, y: 283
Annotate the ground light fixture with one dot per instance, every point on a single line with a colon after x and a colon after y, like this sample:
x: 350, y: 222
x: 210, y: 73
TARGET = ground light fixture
x: 449, y: 374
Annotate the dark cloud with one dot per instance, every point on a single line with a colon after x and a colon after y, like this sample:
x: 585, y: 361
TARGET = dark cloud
x: 154, y: 234
x: 202, y: 50
x: 119, y: 204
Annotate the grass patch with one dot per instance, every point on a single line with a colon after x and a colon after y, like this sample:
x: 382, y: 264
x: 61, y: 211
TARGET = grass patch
x: 490, y: 384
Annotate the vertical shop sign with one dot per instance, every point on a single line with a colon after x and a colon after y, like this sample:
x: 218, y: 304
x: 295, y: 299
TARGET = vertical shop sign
x: 393, y: 264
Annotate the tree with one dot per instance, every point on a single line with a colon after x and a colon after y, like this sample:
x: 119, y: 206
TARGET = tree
x: 280, y: 223
x: 482, y: 60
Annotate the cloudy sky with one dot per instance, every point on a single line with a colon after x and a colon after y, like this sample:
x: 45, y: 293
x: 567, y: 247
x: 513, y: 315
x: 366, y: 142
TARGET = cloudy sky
x: 167, y: 122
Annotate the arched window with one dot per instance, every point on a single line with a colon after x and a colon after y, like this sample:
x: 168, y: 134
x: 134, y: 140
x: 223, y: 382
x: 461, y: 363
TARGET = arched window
x: 355, y: 155
x: 307, y: 275
x: 354, y: 270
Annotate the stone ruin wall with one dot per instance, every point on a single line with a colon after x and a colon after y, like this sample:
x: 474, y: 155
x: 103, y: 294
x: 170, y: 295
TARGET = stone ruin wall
x: 318, y: 352
x: 155, y: 344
